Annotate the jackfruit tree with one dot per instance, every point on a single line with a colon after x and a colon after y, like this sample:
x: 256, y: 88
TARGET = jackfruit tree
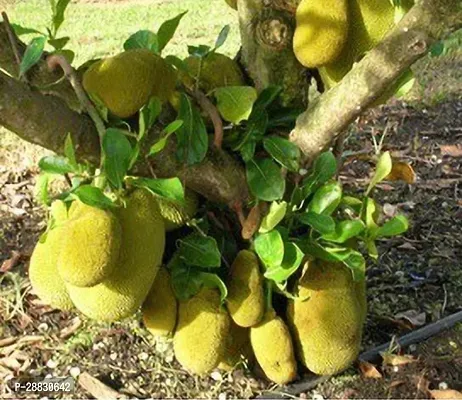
x: 203, y: 191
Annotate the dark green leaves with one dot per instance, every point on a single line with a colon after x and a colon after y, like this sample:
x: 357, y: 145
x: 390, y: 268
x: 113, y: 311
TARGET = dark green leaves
x: 326, y: 199
x: 265, y: 179
x: 32, y: 54
x: 58, y: 14
x: 55, y: 165
x: 117, y: 154
x: 345, y: 230
x: 324, y: 224
x: 167, y: 30
x: 324, y: 169
x: 148, y: 116
x: 93, y: 197
x: 186, y: 280
x: 222, y: 36
x: 170, y: 189
x: 270, y: 248
x: 283, y: 151
x: 200, y: 251
x: 292, y: 260
x: 143, y: 39
x: 396, y: 226
x: 235, y: 102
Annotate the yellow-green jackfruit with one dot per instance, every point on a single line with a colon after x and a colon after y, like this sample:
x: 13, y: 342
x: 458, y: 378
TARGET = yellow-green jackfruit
x: 246, y: 300
x: 328, y: 326
x: 321, y: 31
x: 201, y: 334
x: 237, y: 346
x: 216, y: 70
x: 176, y: 215
x: 273, y: 348
x: 126, y: 82
x: 90, y: 249
x: 160, y: 307
x: 232, y: 3
x: 43, y: 269
x: 141, y: 251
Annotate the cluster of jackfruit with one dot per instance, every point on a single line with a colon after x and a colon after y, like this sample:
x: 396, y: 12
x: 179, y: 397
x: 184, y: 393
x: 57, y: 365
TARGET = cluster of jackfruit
x: 102, y: 262
x: 333, y: 36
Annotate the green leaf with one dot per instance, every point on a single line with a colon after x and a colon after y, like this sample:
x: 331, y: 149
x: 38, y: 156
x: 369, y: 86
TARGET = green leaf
x: 58, y: 44
x: 222, y: 36
x: 292, y: 260
x: 199, y: 51
x: 357, y: 264
x: 173, y: 127
x: 370, y: 211
x: 32, y: 54
x: 69, y: 152
x: 186, y: 280
x: 161, y: 143
x: 254, y: 132
x: 192, y: 139
x: 270, y: 248
x: 200, y: 251
x: 143, y: 39
x: 117, y: 154
x: 93, y: 197
x: 372, y: 249
x: 326, y: 199
x: 58, y: 15
x: 41, y: 189
x: 148, y: 116
x: 394, y: 227
x: 275, y: 215
x: 267, y: 96
x: 323, y: 224
x: 21, y: 30
x: 55, y: 165
x: 283, y: 151
x: 345, y: 230
x: 353, y: 203
x: 170, y: 189
x: 324, y: 169
x: 437, y: 49
x: 214, y: 281
x: 167, y: 30
x: 383, y: 169
x: 235, y: 102
x: 265, y: 179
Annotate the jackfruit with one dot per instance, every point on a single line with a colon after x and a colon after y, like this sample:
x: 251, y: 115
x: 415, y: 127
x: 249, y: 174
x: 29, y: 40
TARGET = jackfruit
x: 216, y: 70
x: 176, y: 215
x: 237, y: 345
x: 43, y: 270
x: 321, y: 31
x: 160, y: 308
x: 328, y: 326
x: 232, y: 3
x: 201, y: 334
x: 246, y: 300
x: 90, y: 248
x: 141, y: 251
x: 126, y: 82
x: 273, y: 349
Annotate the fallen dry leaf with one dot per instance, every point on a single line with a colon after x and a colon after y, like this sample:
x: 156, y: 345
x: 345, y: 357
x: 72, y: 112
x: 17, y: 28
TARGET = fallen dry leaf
x: 396, y: 359
x: 396, y: 383
x: 453, y: 150
x: 76, y: 323
x: 252, y: 223
x: 445, y: 394
x: 9, y: 264
x: 413, y: 316
x: 97, y: 388
x: 369, y: 370
x: 402, y: 171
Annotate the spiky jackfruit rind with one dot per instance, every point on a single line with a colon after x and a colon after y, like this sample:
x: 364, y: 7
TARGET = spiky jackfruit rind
x: 90, y: 249
x: 43, y: 269
x: 246, y: 300
x: 217, y: 70
x: 273, y: 349
x: 201, y: 333
x: 126, y: 82
x: 141, y: 251
x: 160, y: 307
x: 321, y: 31
x: 175, y: 216
x: 327, y: 327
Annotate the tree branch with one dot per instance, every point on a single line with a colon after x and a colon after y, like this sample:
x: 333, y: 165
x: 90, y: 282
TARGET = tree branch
x: 325, y: 118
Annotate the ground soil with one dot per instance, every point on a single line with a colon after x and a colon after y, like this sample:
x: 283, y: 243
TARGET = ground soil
x: 419, y: 274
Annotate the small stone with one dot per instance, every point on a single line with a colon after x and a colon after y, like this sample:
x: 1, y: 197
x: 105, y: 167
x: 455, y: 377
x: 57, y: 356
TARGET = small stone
x: 303, y: 395
x: 412, y: 348
x: 168, y: 382
x: 395, y: 368
x: 74, y: 372
x: 443, y: 386
x: 52, y: 364
x: 113, y: 356
x: 216, y: 376
x: 43, y: 327
x: 143, y: 356
x: 222, y: 396
x: 169, y: 358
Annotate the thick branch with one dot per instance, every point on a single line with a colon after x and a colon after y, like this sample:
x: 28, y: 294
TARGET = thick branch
x: 333, y: 111
x: 45, y: 120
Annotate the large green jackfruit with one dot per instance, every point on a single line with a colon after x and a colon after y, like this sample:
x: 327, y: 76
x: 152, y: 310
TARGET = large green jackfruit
x: 237, y: 346
x: 217, y: 70
x: 160, y: 307
x: 176, y: 215
x: 273, y: 348
x: 90, y: 249
x: 43, y: 269
x: 246, y: 300
x: 328, y: 326
x: 201, y: 334
x: 321, y: 31
x: 126, y: 82
x: 141, y: 251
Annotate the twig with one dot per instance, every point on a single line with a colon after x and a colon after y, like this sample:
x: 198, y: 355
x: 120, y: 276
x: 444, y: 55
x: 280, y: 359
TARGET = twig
x: 13, y: 41
x: 338, y: 150
x: 55, y: 60
x: 212, y: 112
